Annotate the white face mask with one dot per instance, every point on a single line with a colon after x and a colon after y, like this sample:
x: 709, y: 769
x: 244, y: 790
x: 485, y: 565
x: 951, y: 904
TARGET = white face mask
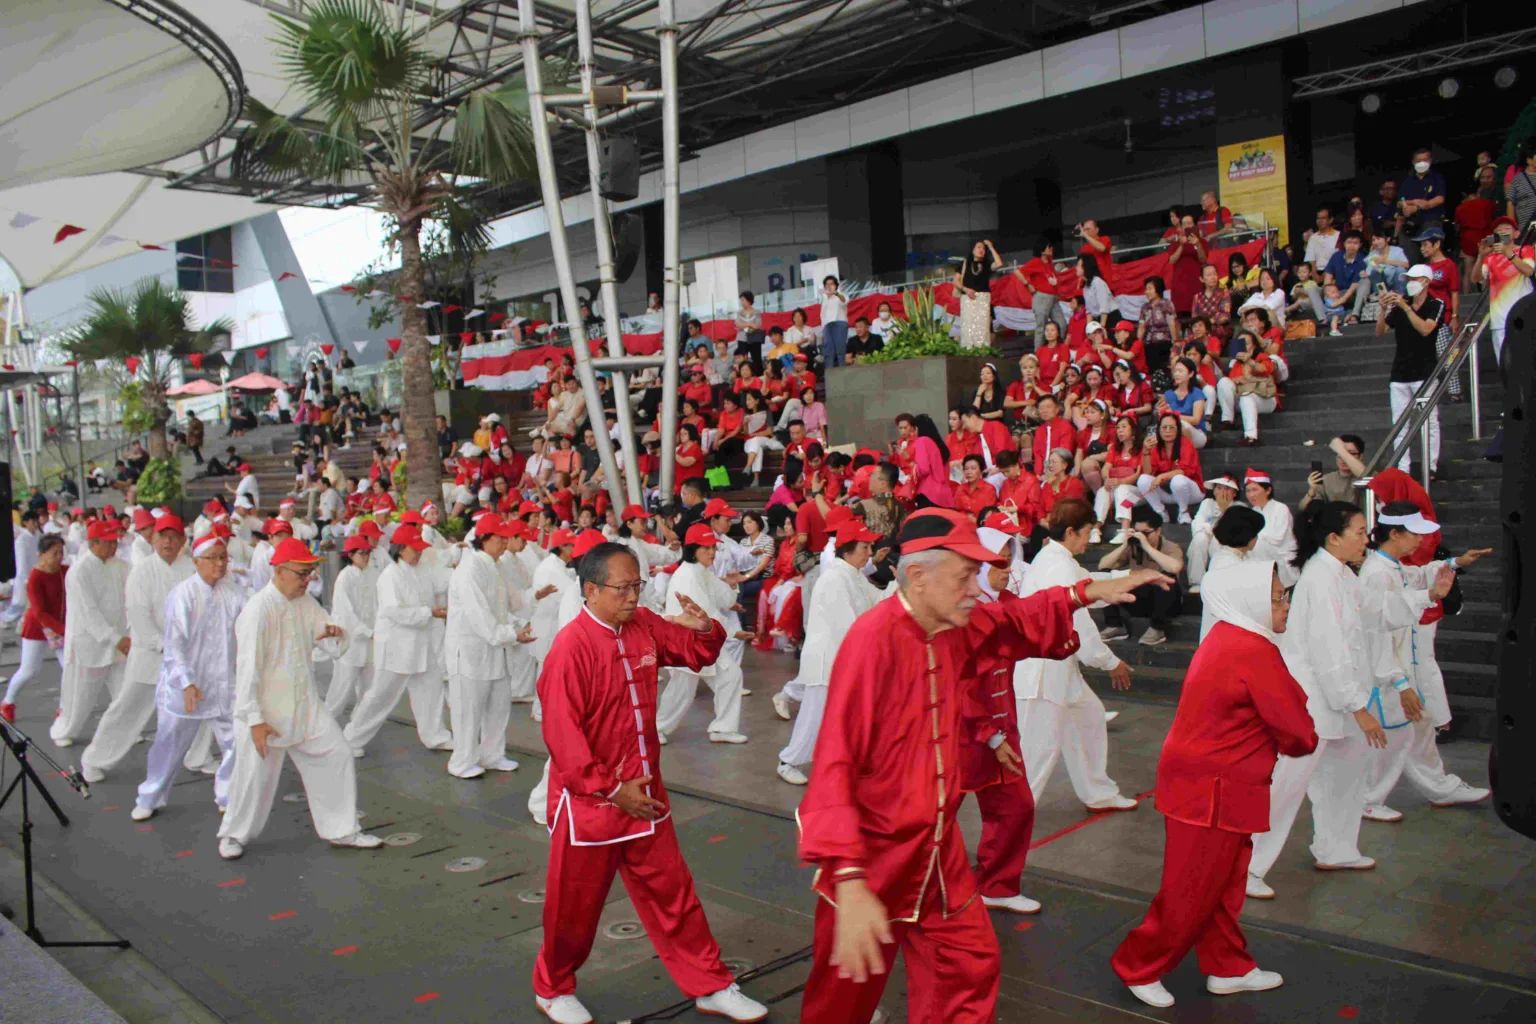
x: 1416, y: 286
x: 1422, y: 166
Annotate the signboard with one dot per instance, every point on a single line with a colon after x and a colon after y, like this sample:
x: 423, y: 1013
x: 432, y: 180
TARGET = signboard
x: 1252, y: 176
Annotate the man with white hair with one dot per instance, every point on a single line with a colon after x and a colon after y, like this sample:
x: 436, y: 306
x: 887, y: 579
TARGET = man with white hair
x: 879, y: 816
x: 149, y: 582
x: 96, y: 638
x: 196, y: 684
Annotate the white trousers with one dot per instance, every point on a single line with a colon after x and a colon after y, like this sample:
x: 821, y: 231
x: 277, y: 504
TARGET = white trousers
x: 1074, y: 733
x: 538, y: 800
x: 1250, y: 406
x: 79, y: 692
x: 524, y: 676
x: 682, y: 686
x: 1333, y: 778
x: 174, y: 736
x: 32, y: 654
x: 1123, y: 496
x: 802, y: 739
x: 756, y: 447
x: 326, y: 767
x: 481, y: 710
x: 121, y: 725
x: 1400, y: 394
x: 427, y: 696
x: 1180, y: 492
x: 202, y: 755
x: 1198, y: 558
x: 349, y: 683
x: 1411, y: 751
x: 18, y: 603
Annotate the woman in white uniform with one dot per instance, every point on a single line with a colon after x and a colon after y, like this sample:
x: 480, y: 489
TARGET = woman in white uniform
x: 354, y: 606
x: 1277, y: 542
x: 696, y: 579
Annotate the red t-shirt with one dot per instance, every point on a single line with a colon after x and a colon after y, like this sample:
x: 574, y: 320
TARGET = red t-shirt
x: 1122, y: 466
x: 730, y: 419
x: 1188, y: 462
x: 813, y: 525
x: 699, y: 392
x: 563, y: 502
x: 1057, y: 433
x: 1052, y: 358
x: 1071, y: 487
x: 1041, y: 275
x: 693, y: 472
x: 1446, y: 282
x: 972, y: 498
x: 1135, y: 396
x: 1105, y: 436
x: 962, y: 443
x: 741, y: 384
x: 45, y: 604
x: 1210, y: 223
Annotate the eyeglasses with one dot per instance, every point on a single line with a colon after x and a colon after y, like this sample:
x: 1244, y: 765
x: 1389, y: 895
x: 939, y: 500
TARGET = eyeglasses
x: 302, y: 574
x: 625, y: 588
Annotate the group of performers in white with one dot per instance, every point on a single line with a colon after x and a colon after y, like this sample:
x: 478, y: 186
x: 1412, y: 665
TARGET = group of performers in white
x: 217, y: 638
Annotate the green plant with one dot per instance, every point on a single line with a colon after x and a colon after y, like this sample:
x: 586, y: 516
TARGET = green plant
x: 160, y: 482
x: 454, y: 528
x: 921, y: 334
x: 137, y: 417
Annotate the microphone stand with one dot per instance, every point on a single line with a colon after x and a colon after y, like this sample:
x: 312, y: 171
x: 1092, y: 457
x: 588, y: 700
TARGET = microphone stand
x: 21, y: 747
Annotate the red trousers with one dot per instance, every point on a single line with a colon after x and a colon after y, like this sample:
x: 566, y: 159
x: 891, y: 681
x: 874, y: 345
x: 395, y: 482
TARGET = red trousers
x: 661, y: 888
x: 1007, y: 822
x: 1205, y: 875
x: 953, y: 969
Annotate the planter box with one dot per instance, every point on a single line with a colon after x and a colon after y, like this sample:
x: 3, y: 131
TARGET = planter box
x: 864, y: 401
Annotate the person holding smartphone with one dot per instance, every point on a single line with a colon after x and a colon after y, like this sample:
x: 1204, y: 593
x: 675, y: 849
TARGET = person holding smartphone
x: 1507, y: 267
x: 1338, y: 485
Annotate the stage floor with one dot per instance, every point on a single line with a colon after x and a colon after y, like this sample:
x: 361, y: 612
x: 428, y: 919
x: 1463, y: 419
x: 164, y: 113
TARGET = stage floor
x: 445, y: 927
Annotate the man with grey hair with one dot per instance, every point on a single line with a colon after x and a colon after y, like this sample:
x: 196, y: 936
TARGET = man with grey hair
x: 878, y: 818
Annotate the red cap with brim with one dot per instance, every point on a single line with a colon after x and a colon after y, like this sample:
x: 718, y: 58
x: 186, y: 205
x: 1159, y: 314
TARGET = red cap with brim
x: 369, y: 528
x: 854, y: 533
x: 142, y: 520
x: 946, y: 529
x: 292, y: 551
x: 839, y: 515
x: 632, y: 512
x: 528, y: 508
x: 719, y: 507
x: 560, y: 538
x: 586, y: 540
x: 702, y: 535
x: 357, y: 542
x: 1000, y: 522
x: 409, y: 536
x: 170, y: 521
x: 101, y: 529
x: 1506, y: 221
x: 512, y: 528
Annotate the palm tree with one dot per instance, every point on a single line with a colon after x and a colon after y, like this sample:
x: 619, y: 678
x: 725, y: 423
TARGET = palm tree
x: 152, y: 324
x: 367, y: 81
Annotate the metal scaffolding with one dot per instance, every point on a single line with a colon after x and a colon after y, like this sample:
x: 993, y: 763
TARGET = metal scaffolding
x: 1412, y: 65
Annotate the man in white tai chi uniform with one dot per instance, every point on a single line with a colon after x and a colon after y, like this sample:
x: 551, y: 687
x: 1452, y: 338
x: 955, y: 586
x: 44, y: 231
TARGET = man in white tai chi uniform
x: 96, y: 641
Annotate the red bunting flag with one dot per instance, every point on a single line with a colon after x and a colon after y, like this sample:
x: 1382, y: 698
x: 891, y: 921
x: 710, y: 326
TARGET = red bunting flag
x: 327, y: 348
x: 214, y: 261
x: 151, y: 245
x: 497, y: 318
x: 261, y: 353
x: 393, y: 343
x: 285, y: 275
x: 71, y: 362
x: 465, y: 337
x: 348, y: 288
x: 196, y: 359
x: 132, y: 362
x: 451, y: 308
x: 405, y: 298
x: 65, y: 231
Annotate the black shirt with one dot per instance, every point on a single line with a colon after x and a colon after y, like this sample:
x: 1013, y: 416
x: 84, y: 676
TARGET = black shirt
x: 1415, y: 358
x: 976, y: 274
x: 866, y: 346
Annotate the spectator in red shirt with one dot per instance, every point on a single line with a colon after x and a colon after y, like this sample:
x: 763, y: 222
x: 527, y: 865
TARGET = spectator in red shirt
x: 1053, y: 354
x: 1040, y: 275
x: 992, y: 436
x: 1129, y: 347
x: 1214, y: 218
x: 1132, y: 395
x: 697, y: 390
x: 730, y: 441
x: 1171, y: 470
x: 1094, y: 440
x: 1446, y: 284
x: 1019, y: 491
x: 1058, y: 483
x: 1122, y: 467
x: 745, y: 381
x: 959, y: 441
x: 811, y: 519
x: 1099, y: 246
x: 690, y: 455
x: 973, y: 493
x: 1052, y: 433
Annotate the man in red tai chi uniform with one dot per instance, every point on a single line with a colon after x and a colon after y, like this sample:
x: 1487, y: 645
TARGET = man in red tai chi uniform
x: 878, y: 819
x: 608, y: 810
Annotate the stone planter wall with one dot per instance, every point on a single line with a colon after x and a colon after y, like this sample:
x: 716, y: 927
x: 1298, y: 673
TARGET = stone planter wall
x: 864, y: 401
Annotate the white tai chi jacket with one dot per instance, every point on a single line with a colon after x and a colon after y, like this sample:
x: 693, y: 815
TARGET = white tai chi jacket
x: 1061, y: 682
x: 480, y: 627
x: 652, y: 557
x: 402, y: 641
x: 709, y: 591
x: 1407, y: 652
x: 199, y: 645
x: 1277, y: 541
x: 273, y: 680
x: 842, y: 595
x: 1327, y: 640
x: 95, y: 596
x: 150, y: 582
x: 546, y: 610
x: 354, y: 607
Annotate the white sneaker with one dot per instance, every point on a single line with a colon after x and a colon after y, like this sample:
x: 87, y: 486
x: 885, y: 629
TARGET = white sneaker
x: 792, y: 775
x: 1113, y: 633
x: 359, y: 841
x: 1110, y: 716
x: 727, y: 737
x: 141, y: 813
x: 563, y: 1010
x: 879, y: 1017
x: 358, y: 754
x: 1152, y: 637
x: 506, y: 764
x: 1194, y: 588
x: 732, y: 1004
x: 661, y: 738
x: 1096, y: 536
x: 90, y: 774
x: 1258, y: 889
x: 230, y: 849
x: 1254, y: 981
x: 1153, y: 994
x: 473, y: 773
x: 1358, y: 864
x: 209, y: 768
x: 746, y: 693
x: 1381, y: 812
x: 1114, y: 803
x: 781, y: 706
x: 1184, y: 517
x: 65, y: 742
x: 1012, y: 904
x: 1464, y: 794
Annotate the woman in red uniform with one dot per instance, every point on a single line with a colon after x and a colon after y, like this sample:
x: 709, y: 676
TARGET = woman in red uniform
x: 42, y: 628
x: 1239, y: 709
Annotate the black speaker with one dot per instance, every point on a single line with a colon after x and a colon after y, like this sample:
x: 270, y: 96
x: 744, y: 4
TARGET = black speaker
x: 7, y: 528
x: 628, y: 243
x: 619, y: 168
x: 1512, y: 765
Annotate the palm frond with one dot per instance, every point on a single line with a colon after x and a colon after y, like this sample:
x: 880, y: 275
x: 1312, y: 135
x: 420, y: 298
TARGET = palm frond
x: 278, y: 146
x: 347, y: 56
x: 468, y: 231
x: 492, y: 136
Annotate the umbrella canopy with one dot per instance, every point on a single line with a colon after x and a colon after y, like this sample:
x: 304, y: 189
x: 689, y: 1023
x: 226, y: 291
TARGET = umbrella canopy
x: 256, y: 382
x: 193, y: 388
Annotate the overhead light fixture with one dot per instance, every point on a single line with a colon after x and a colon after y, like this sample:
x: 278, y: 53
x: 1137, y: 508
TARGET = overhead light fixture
x: 1370, y: 102
x: 1448, y: 88
x: 1505, y: 77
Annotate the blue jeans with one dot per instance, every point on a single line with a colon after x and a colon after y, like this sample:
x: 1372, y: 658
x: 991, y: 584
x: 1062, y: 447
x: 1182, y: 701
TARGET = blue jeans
x: 834, y: 343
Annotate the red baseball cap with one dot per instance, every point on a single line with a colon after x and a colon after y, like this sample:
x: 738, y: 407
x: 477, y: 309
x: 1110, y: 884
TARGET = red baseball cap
x: 511, y: 528
x: 1000, y: 522
x: 169, y: 521
x: 369, y: 528
x: 586, y: 540
x: 102, y: 529
x: 853, y: 533
x: 528, y: 508
x: 294, y: 551
x: 142, y: 519
x: 1503, y: 221
x: 702, y: 535
x: 409, y: 536
x: 410, y: 517
x: 1125, y: 325
x: 839, y: 515
x: 245, y: 467
x: 949, y: 530
x: 632, y: 512
x: 560, y: 538
x: 719, y: 507
x: 213, y: 507
x: 356, y: 542
x: 274, y: 526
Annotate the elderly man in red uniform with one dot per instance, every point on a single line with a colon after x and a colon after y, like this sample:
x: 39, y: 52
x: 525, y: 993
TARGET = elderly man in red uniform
x: 878, y: 820
x: 608, y: 810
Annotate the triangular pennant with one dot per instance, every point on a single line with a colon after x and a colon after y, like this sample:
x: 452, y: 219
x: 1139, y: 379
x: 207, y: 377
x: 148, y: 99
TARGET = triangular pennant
x: 361, y: 345
x: 434, y: 339
x: 349, y: 289
x: 66, y: 231
x: 451, y: 308
x: 406, y: 298
x: 474, y: 313
x: 110, y: 240
x: 285, y: 275
x: 429, y: 304
x: 21, y: 220
x: 152, y: 245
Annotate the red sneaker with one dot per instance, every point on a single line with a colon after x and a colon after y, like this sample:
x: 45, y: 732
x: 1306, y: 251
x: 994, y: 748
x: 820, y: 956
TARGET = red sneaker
x: 8, y: 712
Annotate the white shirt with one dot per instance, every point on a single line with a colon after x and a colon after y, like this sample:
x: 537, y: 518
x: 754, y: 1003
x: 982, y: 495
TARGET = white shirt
x: 546, y: 610
x: 1320, y: 249
x: 833, y: 308
x: 402, y: 642
x: 841, y: 595
x: 332, y: 507
x: 25, y: 549
x: 1277, y: 541
x: 354, y: 607
x: 199, y: 647
x: 1098, y: 300
x: 1406, y: 652
x: 709, y: 591
x: 250, y: 488
x: 883, y: 327
x: 150, y: 581
x: 1061, y: 682
x: 480, y: 629
x: 95, y: 596
x: 274, y: 684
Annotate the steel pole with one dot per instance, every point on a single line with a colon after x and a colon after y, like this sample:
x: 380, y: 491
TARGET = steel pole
x: 1424, y: 451
x: 602, y: 230
x: 85, y: 489
x: 1477, y: 398
x: 549, y: 185
x: 671, y: 271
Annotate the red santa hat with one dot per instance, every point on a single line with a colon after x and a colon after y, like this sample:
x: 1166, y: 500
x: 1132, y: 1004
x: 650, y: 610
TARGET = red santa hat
x: 205, y: 544
x: 1256, y: 476
x: 427, y: 508
x: 942, y: 528
x: 285, y: 503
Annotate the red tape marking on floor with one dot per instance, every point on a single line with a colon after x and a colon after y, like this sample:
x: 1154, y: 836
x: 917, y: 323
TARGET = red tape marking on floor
x: 343, y: 951
x: 111, y: 807
x: 716, y: 839
x: 230, y: 883
x: 426, y: 997
x: 1349, y: 1012
x: 1089, y: 820
x: 182, y: 853
x: 143, y: 828
x: 1023, y: 926
x: 282, y: 915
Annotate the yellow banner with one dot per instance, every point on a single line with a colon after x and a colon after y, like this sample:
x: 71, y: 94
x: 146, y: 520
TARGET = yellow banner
x: 1252, y: 178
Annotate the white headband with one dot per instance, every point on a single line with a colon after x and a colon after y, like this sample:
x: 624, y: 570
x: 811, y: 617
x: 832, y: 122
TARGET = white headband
x: 206, y: 543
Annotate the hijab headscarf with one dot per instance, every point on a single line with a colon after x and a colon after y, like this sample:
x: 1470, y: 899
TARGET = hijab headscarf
x: 1239, y: 593
x: 992, y: 540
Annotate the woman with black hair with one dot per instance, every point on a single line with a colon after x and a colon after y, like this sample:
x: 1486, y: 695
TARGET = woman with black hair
x: 1235, y: 535
x: 973, y: 282
x: 1326, y: 647
x: 695, y: 579
x: 930, y: 465
x: 1098, y: 300
x: 1170, y: 470
x: 1158, y: 327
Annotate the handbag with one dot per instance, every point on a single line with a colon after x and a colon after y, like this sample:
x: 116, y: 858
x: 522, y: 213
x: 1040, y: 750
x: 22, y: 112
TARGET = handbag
x: 1295, y: 329
x: 1263, y: 387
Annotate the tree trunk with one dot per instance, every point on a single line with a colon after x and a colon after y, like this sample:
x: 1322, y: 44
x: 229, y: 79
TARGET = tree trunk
x: 417, y: 406
x: 158, y: 448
